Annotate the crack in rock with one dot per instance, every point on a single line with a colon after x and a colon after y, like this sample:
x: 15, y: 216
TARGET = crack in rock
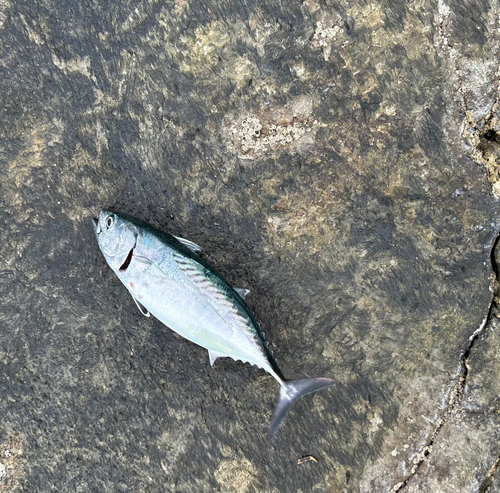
x: 490, y: 476
x: 488, y: 481
x: 458, y: 389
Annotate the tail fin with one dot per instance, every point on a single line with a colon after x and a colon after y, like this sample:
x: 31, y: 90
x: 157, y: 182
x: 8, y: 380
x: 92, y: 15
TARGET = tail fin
x: 292, y: 391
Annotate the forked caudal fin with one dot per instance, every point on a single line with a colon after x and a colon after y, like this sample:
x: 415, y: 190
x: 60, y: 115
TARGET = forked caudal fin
x: 292, y: 391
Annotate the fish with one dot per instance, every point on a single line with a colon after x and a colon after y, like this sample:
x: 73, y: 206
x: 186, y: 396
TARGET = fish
x: 167, y: 278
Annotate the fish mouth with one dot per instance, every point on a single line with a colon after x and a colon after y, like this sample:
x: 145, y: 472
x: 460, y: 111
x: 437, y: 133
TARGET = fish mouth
x: 125, y: 264
x: 97, y: 229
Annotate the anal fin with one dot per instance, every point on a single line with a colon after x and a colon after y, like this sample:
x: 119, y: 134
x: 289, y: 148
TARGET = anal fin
x: 213, y: 355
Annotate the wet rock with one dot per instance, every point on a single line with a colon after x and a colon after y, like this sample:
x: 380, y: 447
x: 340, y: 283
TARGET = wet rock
x: 462, y: 455
x: 338, y: 160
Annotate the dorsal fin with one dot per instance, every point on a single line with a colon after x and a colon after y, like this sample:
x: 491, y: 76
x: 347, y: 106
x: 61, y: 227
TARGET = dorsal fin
x: 242, y: 292
x: 190, y: 244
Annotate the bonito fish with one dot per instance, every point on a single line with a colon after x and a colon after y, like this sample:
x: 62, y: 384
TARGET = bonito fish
x: 167, y: 278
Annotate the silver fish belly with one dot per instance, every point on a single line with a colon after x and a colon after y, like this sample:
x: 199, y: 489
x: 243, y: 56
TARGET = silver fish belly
x: 165, y: 275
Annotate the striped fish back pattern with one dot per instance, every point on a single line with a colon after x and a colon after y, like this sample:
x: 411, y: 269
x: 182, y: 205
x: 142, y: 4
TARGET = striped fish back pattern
x: 219, y: 296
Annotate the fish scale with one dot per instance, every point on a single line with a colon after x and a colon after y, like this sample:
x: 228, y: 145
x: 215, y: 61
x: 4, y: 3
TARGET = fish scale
x: 169, y: 280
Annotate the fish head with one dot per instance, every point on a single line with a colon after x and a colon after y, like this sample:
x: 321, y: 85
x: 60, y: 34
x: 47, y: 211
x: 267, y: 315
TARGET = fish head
x: 117, y: 238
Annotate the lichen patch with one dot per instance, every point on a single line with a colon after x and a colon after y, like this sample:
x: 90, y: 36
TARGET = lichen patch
x: 235, y: 475
x: 201, y: 49
x: 11, y: 464
x: 325, y: 34
x: 291, y: 126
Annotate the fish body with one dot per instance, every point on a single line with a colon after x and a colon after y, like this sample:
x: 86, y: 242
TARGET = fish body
x: 168, y: 279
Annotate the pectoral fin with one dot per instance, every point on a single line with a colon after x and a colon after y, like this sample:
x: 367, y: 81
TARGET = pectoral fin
x: 141, y: 308
x: 213, y: 355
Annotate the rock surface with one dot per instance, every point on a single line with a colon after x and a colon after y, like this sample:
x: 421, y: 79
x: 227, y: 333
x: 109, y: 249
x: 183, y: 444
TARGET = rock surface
x: 339, y: 159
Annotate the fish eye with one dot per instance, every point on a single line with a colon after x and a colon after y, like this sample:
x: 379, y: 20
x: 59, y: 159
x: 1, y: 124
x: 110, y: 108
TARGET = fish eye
x: 109, y: 221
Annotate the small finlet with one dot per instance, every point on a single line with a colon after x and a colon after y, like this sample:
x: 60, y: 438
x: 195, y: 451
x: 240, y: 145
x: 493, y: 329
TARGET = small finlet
x: 190, y: 244
x: 242, y: 292
x: 213, y: 355
x: 141, y: 308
